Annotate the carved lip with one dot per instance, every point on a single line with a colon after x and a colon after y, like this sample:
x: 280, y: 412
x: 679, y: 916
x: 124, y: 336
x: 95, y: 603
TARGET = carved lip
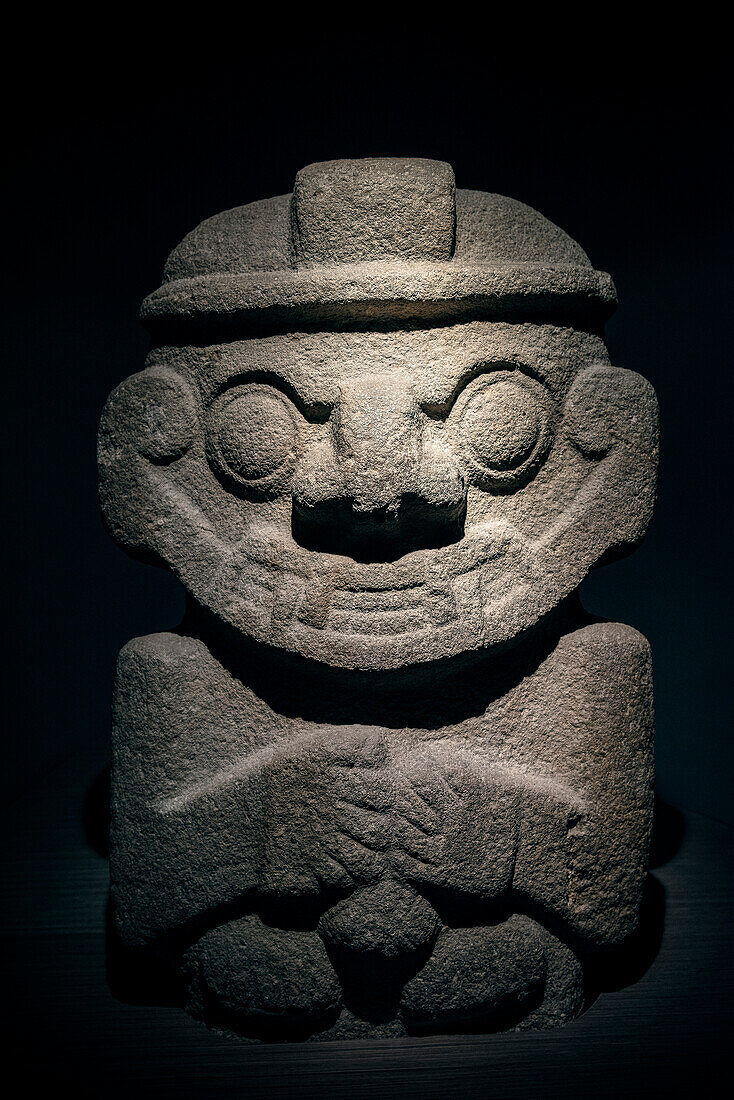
x: 328, y: 592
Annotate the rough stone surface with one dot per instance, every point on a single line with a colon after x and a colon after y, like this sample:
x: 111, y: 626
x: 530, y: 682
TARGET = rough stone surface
x: 387, y: 777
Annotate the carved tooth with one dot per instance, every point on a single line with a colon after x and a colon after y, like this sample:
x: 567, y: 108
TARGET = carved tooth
x: 440, y: 605
x: 286, y: 598
x: 315, y: 606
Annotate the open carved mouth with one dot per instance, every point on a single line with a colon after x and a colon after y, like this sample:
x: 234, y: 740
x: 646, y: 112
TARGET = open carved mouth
x: 429, y: 604
x: 383, y: 537
x: 421, y: 590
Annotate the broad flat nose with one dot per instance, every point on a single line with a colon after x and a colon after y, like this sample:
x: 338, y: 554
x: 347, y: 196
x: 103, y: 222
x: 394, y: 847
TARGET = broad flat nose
x: 377, y: 443
x: 377, y: 477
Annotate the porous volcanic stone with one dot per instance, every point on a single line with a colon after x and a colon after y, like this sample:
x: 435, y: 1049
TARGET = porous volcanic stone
x: 387, y: 776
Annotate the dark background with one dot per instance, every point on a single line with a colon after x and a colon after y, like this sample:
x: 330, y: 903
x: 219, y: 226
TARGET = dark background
x: 114, y: 154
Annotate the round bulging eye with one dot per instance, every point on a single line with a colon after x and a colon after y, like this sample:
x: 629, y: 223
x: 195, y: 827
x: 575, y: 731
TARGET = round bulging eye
x: 505, y: 428
x: 254, y: 433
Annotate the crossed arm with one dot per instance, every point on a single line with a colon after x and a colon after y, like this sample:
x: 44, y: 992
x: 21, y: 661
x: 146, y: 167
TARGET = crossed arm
x: 334, y: 808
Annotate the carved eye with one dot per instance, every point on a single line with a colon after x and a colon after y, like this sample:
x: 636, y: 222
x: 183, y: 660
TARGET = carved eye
x: 505, y: 427
x: 253, y: 435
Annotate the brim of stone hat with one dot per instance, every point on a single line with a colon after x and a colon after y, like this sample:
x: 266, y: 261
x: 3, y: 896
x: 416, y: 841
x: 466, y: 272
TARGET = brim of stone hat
x: 382, y: 290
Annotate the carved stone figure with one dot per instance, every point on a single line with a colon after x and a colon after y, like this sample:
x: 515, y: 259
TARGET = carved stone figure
x: 387, y: 777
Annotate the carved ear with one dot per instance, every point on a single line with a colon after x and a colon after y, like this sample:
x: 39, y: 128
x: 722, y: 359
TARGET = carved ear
x: 150, y: 420
x: 611, y: 415
x: 608, y: 406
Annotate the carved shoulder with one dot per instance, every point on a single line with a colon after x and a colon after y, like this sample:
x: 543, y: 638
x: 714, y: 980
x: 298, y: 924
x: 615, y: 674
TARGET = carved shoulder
x: 588, y: 708
x: 180, y: 716
x: 597, y: 695
x: 165, y: 687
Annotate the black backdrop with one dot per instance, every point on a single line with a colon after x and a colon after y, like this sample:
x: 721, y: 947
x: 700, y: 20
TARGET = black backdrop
x: 114, y: 155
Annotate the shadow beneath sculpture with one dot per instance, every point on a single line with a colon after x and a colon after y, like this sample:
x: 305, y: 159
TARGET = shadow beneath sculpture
x: 371, y: 988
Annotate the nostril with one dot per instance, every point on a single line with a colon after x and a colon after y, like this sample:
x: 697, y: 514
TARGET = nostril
x: 375, y: 496
x: 377, y: 515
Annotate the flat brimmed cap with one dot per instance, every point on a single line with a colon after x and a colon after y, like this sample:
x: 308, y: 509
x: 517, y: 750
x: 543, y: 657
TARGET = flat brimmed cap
x: 374, y: 240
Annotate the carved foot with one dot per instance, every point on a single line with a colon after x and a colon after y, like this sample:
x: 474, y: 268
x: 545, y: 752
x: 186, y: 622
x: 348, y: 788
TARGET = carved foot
x: 248, y: 975
x: 494, y: 978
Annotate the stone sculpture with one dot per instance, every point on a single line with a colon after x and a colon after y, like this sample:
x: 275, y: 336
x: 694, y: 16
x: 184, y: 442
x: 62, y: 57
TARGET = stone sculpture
x: 387, y: 777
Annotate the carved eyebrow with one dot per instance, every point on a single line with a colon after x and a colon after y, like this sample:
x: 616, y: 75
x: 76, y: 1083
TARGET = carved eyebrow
x: 313, y: 410
x: 439, y: 407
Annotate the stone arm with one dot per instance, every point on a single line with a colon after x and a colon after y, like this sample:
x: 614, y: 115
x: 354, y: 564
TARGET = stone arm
x: 563, y: 822
x: 213, y: 805
x: 216, y: 802
x: 172, y: 858
x: 594, y: 703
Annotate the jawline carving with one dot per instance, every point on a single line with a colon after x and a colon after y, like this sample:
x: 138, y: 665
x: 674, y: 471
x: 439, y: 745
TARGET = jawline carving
x: 387, y: 777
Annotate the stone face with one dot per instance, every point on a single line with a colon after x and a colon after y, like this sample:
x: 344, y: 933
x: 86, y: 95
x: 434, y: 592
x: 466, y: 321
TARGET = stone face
x: 387, y: 777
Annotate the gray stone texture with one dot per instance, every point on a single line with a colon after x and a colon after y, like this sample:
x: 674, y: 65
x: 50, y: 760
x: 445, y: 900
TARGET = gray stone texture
x: 387, y: 777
